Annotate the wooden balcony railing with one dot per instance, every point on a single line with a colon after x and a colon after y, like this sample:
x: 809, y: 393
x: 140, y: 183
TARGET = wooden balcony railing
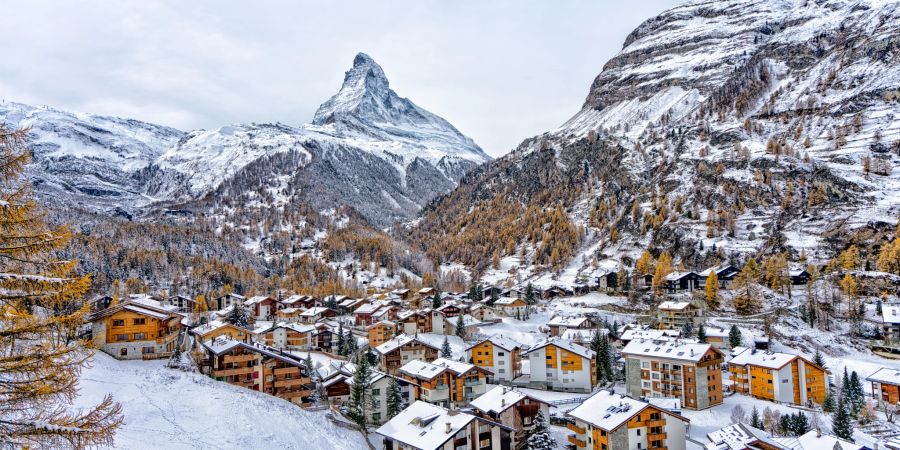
x: 575, y: 428
x: 574, y: 440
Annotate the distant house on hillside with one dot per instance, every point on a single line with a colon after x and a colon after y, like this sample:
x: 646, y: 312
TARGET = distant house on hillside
x: 681, y: 281
x: 725, y: 274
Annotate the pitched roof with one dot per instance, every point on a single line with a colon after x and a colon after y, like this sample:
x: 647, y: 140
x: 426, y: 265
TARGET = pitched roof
x: 608, y: 411
x: 560, y: 321
x: 890, y: 313
x: 668, y: 349
x: 738, y: 437
x: 673, y: 305
x: 885, y: 375
x: 565, y: 345
x: 506, y: 301
x: 425, y: 426
x: 425, y: 370
x: 675, y: 276
x: 499, y: 399
x: 500, y: 341
x: 769, y: 360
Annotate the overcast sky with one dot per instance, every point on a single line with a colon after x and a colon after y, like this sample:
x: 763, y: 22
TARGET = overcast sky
x: 500, y: 71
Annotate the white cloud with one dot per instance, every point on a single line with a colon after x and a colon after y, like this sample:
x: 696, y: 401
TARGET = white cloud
x: 501, y: 71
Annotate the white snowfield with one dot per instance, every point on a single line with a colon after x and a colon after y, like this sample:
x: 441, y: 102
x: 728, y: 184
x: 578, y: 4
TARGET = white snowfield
x: 171, y: 409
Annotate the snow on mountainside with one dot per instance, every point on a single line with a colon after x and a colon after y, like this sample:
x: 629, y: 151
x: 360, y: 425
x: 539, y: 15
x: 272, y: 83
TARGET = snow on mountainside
x: 89, y: 159
x: 722, y: 129
x: 367, y: 148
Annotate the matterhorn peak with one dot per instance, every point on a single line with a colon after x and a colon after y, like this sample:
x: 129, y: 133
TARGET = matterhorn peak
x: 365, y: 87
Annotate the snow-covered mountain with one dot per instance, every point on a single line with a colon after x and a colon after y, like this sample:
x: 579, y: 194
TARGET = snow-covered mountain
x: 367, y: 148
x: 722, y: 129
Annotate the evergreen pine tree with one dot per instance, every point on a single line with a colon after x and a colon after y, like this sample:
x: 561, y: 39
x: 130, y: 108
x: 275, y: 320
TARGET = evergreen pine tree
x: 42, y: 310
x: 840, y: 421
x: 687, y: 330
x: 539, y: 437
x: 394, y: 399
x: 734, y: 336
x: 755, y: 420
x: 238, y: 316
x: 461, y: 327
x: 350, y: 344
x: 310, y: 369
x: 800, y: 424
x: 857, y: 394
x: 604, y: 358
x: 596, y: 344
x: 359, y: 393
x: 701, y: 334
x: 878, y: 309
x: 473, y: 292
x: 828, y: 405
x: 446, y: 352
x: 341, y: 343
x: 492, y: 299
x: 818, y: 359
x: 529, y: 295
x: 436, y: 301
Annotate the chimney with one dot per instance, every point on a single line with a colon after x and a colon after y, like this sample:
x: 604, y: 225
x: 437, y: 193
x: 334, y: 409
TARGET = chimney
x: 447, y: 428
x: 502, y: 402
x: 818, y: 432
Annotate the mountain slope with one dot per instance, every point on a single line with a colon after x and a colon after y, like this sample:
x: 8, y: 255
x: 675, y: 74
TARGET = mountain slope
x: 721, y: 130
x: 367, y: 149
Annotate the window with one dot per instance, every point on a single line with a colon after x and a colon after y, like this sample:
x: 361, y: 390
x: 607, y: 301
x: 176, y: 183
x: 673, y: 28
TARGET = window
x: 501, y: 371
x: 501, y: 354
x: 119, y: 323
x: 140, y: 321
x: 638, y: 431
x: 376, y: 392
x: 147, y: 350
x: 645, y: 365
x: 123, y: 352
x: 122, y: 337
x: 376, y: 417
x: 140, y: 336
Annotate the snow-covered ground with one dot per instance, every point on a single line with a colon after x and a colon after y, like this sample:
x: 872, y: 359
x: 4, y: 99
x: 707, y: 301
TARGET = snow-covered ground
x: 167, y: 408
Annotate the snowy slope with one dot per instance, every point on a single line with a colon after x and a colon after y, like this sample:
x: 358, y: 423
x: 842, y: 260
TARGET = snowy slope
x: 167, y: 408
x: 720, y: 110
x: 89, y: 159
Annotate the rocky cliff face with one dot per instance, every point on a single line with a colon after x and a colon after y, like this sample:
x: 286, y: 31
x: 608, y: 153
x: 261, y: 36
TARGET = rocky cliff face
x: 367, y: 148
x: 737, y: 127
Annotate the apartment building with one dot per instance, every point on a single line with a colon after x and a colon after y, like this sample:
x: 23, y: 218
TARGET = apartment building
x: 561, y: 365
x: 780, y: 377
x: 687, y: 370
x: 673, y: 315
x: 499, y: 355
x: 445, y: 382
x: 608, y: 421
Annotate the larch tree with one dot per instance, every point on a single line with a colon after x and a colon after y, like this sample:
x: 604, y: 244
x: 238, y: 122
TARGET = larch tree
x: 663, y: 268
x: 712, y: 290
x: 41, y: 299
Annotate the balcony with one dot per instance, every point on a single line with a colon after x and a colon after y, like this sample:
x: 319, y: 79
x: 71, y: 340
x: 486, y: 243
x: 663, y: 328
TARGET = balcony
x: 291, y: 382
x: 239, y: 358
x: 574, y: 440
x: 284, y: 370
x: 293, y: 394
x: 575, y: 428
x: 235, y: 371
x: 156, y: 355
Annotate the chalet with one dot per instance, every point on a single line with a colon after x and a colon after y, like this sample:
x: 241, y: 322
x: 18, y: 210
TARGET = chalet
x: 740, y: 436
x: 301, y: 301
x: 325, y: 337
x: 403, y: 294
x: 289, y: 314
x: 687, y: 370
x: 381, y: 332
x: 673, y: 315
x: 363, y: 314
x: 184, y: 303
x: 582, y: 337
x: 469, y: 323
x: 559, y: 324
x: 607, y: 282
x: 725, y: 274
x: 217, y: 328
x: 890, y: 322
x: 401, y: 349
x: 378, y: 388
x: 426, y: 292
x: 350, y: 305
x: 511, y: 306
x: 414, y: 322
x: 316, y: 314
x: 491, y: 291
x: 779, y: 377
x: 799, y: 277
x: 512, y: 408
x: 718, y: 337
x: 227, y: 300
x: 499, y: 355
x: 258, y: 368
x: 648, y: 334
x: 555, y: 292
x: 261, y: 307
x: 483, y: 313
x: 681, y: 281
x: 289, y: 336
x: 424, y: 426
x: 445, y: 382
x: 886, y: 385
x: 450, y: 309
x: 136, y: 330
x: 561, y: 365
x: 612, y: 421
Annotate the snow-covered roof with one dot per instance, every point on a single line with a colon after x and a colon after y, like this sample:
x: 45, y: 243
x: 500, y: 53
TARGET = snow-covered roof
x: 582, y: 334
x: 718, y: 269
x: 565, y: 345
x: 399, y: 341
x: 675, y: 276
x: 425, y: 370
x: 641, y: 333
x: 256, y: 299
x: 498, y: 399
x: 667, y: 349
x: 314, y: 311
x: 668, y: 304
x: 506, y: 301
x: 209, y: 326
x: 769, y: 360
x: 886, y: 375
x: 716, y: 332
x: 425, y: 426
x: 147, y: 312
x: 560, y: 321
x: 813, y: 441
x: 367, y: 309
x: 221, y: 344
x: 608, y: 411
x: 382, y: 323
x: 737, y: 437
x: 298, y: 327
x: 500, y: 341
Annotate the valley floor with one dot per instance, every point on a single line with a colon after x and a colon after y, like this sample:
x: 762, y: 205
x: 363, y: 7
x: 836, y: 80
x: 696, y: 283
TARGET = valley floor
x: 171, y: 409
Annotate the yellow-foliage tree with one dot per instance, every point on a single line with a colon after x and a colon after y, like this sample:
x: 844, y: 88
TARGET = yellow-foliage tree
x: 644, y: 264
x: 746, y: 291
x: 200, y: 305
x: 663, y: 268
x: 712, y: 290
x: 849, y: 259
x: 889, y: 257
x: 41, y: 300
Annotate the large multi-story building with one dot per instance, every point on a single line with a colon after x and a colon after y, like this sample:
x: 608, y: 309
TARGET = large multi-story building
x: 136, y: 330
x: 608, y: 421
x: 780, y: 377
x: 512, y: 408
x: 445, y: 382
x: 402, y: 349
x: 499, y: 355
x: 424, y: 426
x: 289, y: 336
x: 562, y: 365
x: 687, y: 370
x: 673, y: 315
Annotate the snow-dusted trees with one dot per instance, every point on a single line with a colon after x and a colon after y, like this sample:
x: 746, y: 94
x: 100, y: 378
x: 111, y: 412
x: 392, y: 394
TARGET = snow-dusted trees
x: 41, y: 301
x: 394, y: 399
x: 539, y: 437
